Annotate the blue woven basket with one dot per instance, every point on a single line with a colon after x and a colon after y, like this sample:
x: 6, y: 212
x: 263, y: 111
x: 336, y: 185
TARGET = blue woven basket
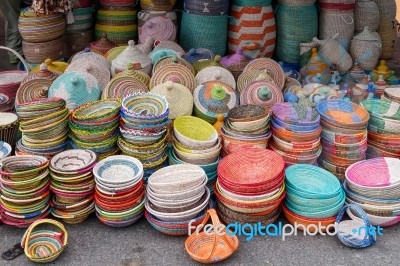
x: 206, y: 7
x: 209, y: 32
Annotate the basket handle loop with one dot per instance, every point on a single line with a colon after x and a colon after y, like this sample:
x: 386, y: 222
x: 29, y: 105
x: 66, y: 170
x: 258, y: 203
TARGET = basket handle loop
x: 378, y: 44
x: 345, y: 21
x: 25, y: 239
x: 362, y: 214
x: 27, y: 67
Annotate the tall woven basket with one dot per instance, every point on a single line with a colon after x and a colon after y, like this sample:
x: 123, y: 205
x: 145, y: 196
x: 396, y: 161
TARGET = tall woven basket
x: 36, y: 53
x: 366, y: 13
x: 366, y: 49
x: 252, y: 24
x: 206, y: 7
x: 157, y: 5
x: 387, y: 9
x: 210, y: 32
x: 388, y: 32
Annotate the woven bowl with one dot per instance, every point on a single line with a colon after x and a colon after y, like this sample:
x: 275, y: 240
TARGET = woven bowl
x: 5, y: 149
x: 73, y: 162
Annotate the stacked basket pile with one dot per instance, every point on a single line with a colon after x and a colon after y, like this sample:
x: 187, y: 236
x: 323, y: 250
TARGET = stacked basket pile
x: 205, y: 25
x: 383, y: 128
x: 246, y: 126
x: 314, y: 196
x: 296, y: 133
x: 72, y: 184
x: 119, y: 190
x: 250, y: 186
x: 344, y: 135
x: 143, y: 126
x: 94, y: 126
x: 44, y: 125
x: 374, y: 185
x: 118, y: 19
x: 25, y: 193
x: 176, y: 197
x: 387, y: 26
x: 42, y: 36
x: 196, y: 142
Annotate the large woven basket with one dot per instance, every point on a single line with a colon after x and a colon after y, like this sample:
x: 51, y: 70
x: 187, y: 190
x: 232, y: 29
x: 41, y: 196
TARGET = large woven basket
x: 388, y: 32
x: 37, y: 53
x: 157, y: 5
x: 207, y: 7
x: 117, y: 3
x: 297, y: 2
x: 387, y: 9
x: 145, y: 15
x: 76, y: 42
x: 366, y: 49
x: 366, y: 13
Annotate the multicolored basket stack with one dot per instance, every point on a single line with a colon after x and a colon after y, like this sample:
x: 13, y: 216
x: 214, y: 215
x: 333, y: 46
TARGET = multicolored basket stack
x: 344, y: 135
x: 119, y: 190
x: 246, y: 126
x: 374, y: 185
x: 296, y: 133
x: 196, y: 142
x: 73, y: 185
x: 176, y: 196
x: 314, y: 197
x: 250, y: 186
x: 25, y: 193
x: 143, y: 127
x: 44, y: 125
x: 94, y: 126
x: 383, y: 128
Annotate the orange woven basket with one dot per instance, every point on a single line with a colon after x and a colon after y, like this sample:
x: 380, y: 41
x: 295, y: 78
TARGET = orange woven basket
x: 211, y: 248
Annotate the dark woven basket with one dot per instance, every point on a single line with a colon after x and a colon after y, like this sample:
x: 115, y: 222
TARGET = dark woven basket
x: 36, y: 53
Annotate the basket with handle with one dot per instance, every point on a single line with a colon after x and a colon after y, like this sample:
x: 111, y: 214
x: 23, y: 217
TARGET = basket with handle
x: 355, y: 233
x: 206, y: 248
x: 44, y: 246
x: 366, y: 13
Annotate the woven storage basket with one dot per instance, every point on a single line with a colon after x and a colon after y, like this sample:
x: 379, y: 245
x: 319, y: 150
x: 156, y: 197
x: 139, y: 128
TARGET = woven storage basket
x: 118, y: 3
x: 207, y: 7
x: 333, y: 22
x: 366, y: 13
x: 293, y: 29
x: 76, y: 42
x: 83, y: 20
x: 387, y: 9
x: 297, y: 2
x: 366, y: 49
x: 37, y: 53
x: 145, y: 15
x: 82, y: 3
x: 102, y: 45
x: 210, y: 32
x: 157, y: 5
x: 158, y: 28
x: 255, y: 25
x: 388, y: 32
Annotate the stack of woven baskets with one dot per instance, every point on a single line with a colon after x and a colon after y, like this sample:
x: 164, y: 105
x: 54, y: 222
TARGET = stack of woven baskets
x: 196, y: 142
x: 119, y: 190
x: 344, y: 135
x: 94, y: 126
x: 296, y: 133
x: 42, y: 36
x: 314, y: 197
x: 374, y: 185
x: 250, y: 186
x: 253, y: 26
x: 383, y: 128
x: 143, y: 127
x: 246, y: 126
x: 80, y: 33
x: 72, y: 184
x: 205, y: 25
x: 176, y: 197
x: 25, y: 193
x: 118, y: 19
x: 387, y: 26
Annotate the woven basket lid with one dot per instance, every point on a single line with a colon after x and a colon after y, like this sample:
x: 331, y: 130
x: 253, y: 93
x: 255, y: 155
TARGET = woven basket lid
x: 159, y: 53
x: 76, y: 88
x: 139, y: 75
x: 124, y: 84
x: 8, y: 119
x: 102, y: 45
x: 366, y: 35
x: 203, y: 63
x: 43, y: 73
x: 170, y: 60
x: 158, y: 28
x: 262, y: 93
x: 180, y: 98
x: 213, y: 98
x: 91, y: 56
x: 216, y: 73
x: 99, y: 71
x: 33, y: 90
x: 273, y: 68
x: 169, y: 45
x: 198, y: 54
x: 114, y: 53
x: 237, y: 61
x: 176, y: 73
x: 248, y: 77
x: 132, y: 54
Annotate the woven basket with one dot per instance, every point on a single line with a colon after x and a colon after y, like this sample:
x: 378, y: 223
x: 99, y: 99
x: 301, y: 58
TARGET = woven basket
x: 387, y: 9
x: 293, y: 29
x: 118, y: 3
x: 206, y: 8
x: 144, y: 16
x: 157, y: 5
x: 210, y: 32
x: 297, y: 2
x: 158, y: 28
x: 366, y: 13
x: 366, y: 49
x: 37, y: 53
x: 76, y: 42
x: 252, y: 25
x: 332, y: 22
x: 388, y: 32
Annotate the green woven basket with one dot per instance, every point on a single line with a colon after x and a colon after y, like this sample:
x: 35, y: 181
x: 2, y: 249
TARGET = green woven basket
x: 252, y: 3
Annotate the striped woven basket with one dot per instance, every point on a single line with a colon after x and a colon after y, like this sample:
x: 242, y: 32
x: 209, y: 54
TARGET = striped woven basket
x: 252, y: 24
x: 36, y: 53
x: 297, y: 2
x: 157, y: 5
x: 118, y: 3
x: 76, y: 42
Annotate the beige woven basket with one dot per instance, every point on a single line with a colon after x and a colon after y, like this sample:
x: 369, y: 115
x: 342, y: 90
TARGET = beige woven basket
x: 388, y: 32
x: 366, y: 13
x: 366, y: 49
x: 387, y: 9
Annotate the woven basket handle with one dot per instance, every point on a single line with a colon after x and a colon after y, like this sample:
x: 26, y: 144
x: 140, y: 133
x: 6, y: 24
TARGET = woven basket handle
x: 345, y: 21
x: 362, y: 214
x: 27, y: 67
x: 25, y: 239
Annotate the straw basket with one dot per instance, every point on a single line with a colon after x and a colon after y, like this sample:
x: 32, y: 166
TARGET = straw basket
x: 387, y: 9
x: 118, y: 3
x: 297, y: 2
x: 157, y: 5
x: 37, y: 53
x: 366, y: 13
x: 76, y: 42
x: 388, y: 32
x: 366, y: 49
x: 145, y: 15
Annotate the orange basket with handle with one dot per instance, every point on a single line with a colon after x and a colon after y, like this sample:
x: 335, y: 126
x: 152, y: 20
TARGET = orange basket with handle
x: 211, y: 248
